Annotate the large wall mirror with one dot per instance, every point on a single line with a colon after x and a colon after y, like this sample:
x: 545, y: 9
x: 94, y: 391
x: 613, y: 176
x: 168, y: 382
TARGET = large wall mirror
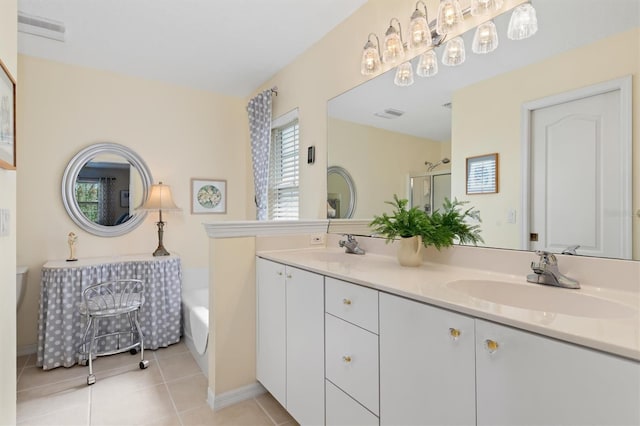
x: 102, y: 187
x: 479, y: 108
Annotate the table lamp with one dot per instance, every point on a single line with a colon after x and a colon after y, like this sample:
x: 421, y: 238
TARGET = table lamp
x: 160, y: 199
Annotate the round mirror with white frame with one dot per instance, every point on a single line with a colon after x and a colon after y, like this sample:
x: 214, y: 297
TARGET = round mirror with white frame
x: 102, y: 187
x: 341, y: 193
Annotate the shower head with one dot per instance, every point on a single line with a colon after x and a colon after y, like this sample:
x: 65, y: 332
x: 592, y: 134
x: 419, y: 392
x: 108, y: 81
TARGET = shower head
x: 431, y: 166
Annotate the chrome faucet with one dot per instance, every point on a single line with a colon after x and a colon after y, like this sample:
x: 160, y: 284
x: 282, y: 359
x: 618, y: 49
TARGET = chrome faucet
x: 547, y: 272
x: 351, y: 245
x: 571, y: 250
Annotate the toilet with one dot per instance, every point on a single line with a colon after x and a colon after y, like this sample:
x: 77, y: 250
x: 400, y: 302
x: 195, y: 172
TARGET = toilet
x: 21, y: 284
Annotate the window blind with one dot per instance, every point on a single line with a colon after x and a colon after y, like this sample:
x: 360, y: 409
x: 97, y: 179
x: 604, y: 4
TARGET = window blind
x: 482, y: 174
x: 283, y: 173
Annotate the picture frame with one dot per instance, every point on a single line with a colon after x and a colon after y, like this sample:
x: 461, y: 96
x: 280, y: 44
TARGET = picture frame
x: 7, y: 119
x: 482, y: 174
x: 124, y: 198
x: 208, y: 196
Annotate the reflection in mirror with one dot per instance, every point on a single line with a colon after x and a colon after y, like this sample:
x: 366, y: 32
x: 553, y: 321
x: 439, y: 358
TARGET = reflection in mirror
x: 341, y: 194
x: 478, y: 108
x: 102, y: 187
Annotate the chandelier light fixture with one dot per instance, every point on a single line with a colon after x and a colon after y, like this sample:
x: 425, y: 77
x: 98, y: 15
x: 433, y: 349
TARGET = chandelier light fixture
x: 393, y: 50
x: 424, y: 37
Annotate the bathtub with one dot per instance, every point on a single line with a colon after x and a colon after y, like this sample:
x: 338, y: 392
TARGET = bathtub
x: 195, y: 314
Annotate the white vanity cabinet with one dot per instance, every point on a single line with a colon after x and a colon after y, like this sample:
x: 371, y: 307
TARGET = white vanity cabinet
x: 290, y: 338
x: 352, y: 362
x: 523, y: 378
x: 427, y: 364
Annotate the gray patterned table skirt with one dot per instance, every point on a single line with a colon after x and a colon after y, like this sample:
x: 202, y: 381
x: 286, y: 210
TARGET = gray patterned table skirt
x: 61, y: 326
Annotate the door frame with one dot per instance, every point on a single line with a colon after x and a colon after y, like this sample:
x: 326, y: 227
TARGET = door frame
x: 623, y: 85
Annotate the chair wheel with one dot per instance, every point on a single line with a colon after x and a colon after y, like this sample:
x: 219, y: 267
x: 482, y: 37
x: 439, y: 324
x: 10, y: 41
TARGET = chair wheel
x: 133, y: 351
x: 91, y: 379
x: 143, y: 364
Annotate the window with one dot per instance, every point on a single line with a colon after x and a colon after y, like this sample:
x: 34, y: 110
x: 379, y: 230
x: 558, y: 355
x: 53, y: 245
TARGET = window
x: 87, y: 195
x: 283, y: 172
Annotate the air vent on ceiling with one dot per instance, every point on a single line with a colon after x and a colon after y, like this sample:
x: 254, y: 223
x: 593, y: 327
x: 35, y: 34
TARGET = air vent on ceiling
x: 41, y: 27
x: 389, y: 113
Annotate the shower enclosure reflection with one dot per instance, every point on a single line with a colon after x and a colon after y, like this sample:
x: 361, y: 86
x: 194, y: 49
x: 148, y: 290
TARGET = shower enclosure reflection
x: 429, y: 190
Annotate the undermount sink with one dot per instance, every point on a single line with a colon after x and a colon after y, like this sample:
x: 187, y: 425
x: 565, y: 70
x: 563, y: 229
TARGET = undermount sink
x: 542, y: 298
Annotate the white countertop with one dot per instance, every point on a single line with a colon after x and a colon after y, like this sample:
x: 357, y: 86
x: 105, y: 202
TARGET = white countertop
x: 616, y: 331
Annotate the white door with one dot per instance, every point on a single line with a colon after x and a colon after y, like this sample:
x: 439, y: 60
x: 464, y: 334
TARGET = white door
x: 579, y: 185
x: 271, y: 356
x: 427, y: 365
x: 305, y: 346
x: 526, y: 379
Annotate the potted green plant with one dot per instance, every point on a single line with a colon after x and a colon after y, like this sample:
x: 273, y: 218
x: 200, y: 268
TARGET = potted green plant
x: 415, y: 229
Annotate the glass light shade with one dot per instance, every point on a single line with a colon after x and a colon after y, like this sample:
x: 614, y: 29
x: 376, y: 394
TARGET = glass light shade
x: 454, y: 53
x: 485, y: 39
x: 419, y: 31
x: 523, y: 23
x: 428, y: 65
x: 370, y: 59
x: 404, y: 75
x: 449, y: 16
x: 393, y: 51
x: 485, y: 7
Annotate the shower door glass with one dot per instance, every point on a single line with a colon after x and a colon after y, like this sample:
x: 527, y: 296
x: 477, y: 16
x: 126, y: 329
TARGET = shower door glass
x: 429, y: 191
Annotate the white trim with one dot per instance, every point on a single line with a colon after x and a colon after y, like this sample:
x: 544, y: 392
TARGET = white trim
x: 216, y: 402
x: 285, y: 118
x: 254, y: 228
x: 624, y: 85
x: 27, y: 349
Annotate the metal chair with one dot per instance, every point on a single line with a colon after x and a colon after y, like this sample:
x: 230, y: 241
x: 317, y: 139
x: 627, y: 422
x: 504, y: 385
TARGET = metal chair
x: 112, y: 299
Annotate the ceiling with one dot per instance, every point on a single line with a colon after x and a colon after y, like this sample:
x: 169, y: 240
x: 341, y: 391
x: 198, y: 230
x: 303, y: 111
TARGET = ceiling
x: 563, y: 25
x: 225, y: 46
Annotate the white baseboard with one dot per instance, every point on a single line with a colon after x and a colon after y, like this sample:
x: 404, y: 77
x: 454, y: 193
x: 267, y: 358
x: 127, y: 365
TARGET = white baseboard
x: 225, y: 399
x: 27, y: 349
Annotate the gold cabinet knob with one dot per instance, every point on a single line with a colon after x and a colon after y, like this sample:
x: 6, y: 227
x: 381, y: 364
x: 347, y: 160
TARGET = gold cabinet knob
x: 346, y: 358
x: 279, y: 273
x: 288, y: 275
x: 346, y: 301
x: 454, y: 332
x: 491, y: 345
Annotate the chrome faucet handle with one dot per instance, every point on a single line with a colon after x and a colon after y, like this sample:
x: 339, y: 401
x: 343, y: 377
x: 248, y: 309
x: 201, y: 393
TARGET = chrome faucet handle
x: 571, y: 250
x: 547, y: 258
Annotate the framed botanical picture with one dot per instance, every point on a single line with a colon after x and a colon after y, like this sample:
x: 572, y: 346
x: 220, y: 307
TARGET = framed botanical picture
x: 7, y: 119
x: 208, y: 196
x: 482, y: 174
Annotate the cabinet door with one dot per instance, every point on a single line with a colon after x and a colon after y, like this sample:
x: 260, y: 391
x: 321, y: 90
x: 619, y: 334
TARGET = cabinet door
x: 305, y: 346
x: 343, y: 410
x: 427, y: 365
x: 530, y: 379
x: 270, y: 328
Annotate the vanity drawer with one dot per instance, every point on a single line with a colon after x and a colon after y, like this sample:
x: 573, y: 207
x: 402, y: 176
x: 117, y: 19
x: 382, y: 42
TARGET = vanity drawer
x: 353, y: 303
x: 351, y: 361
x: 342, y: 410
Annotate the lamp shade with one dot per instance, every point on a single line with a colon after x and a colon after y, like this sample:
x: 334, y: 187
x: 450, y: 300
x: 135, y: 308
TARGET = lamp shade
x: 523, y: 23
x: 160, y: 198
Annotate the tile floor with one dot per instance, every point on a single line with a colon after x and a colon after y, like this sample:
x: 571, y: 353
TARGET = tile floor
x: 172, y: 391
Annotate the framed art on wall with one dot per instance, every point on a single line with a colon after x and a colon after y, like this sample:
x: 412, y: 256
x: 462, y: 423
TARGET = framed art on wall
x: 7, y: 119
x: 208, y: 196
x: 482, y: 174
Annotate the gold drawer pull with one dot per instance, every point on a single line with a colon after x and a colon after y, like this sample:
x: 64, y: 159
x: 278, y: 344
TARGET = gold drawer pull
x: 454, y: 332
x: 346, y: 358
x: 346, y: 301
x: 491, y: 345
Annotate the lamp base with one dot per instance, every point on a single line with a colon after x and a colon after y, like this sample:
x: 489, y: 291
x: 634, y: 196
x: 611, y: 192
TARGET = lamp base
x: 161, y: 251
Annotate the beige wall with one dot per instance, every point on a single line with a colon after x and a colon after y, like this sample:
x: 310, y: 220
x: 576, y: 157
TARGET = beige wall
x: 181, y: 133
x: 480, y: 130
x: 9, y: 55
x: 365, y: 152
